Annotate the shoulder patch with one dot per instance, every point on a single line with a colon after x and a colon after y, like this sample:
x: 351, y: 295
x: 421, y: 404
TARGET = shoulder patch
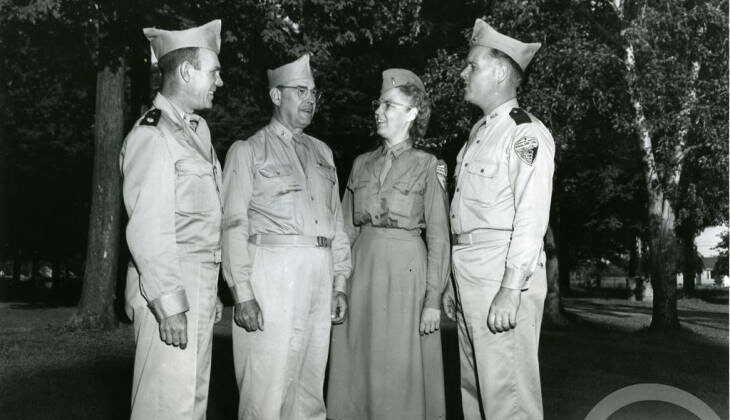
x: 519, y: 116
x: 526, y: 149
x: 152, y: 117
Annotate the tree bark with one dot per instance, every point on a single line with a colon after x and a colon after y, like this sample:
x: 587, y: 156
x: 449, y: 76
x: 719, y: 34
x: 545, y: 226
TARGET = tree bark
x: 553, y: 312
x: 96, y: 307
x: 689, y: 260
x: 662, y: 239
x: 662, y: 257
x: 563, y: 254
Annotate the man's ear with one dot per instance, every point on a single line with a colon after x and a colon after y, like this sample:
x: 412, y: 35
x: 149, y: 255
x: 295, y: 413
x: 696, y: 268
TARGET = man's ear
x: 275, y: 95
x: 412, y: 113
x: 501, y: 71
x: 184, y: 71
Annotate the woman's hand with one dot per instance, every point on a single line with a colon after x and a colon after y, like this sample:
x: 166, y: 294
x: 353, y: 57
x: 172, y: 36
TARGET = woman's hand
x: 430, y: 321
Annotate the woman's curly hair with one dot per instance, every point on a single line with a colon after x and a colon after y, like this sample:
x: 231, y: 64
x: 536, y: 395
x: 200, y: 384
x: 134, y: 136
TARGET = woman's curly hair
x: 419, y: 100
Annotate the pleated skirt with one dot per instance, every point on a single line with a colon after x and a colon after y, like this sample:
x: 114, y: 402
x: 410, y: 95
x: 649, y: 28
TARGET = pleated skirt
x: 380, y: 367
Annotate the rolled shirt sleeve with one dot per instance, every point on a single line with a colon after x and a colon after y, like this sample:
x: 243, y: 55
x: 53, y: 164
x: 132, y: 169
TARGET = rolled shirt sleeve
x: 237, y: 189
x: 437, y: 237
x: 149, y: 196
x: 531, y: 184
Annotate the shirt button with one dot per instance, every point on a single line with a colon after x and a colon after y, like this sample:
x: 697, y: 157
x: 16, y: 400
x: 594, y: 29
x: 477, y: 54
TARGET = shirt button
x: 376, y: 216
x: 312, y: 197
x: 316, y: 222
x: 453, y: 216
x: 457, y: 190
x: 466, y: 164
x: 478, y: 141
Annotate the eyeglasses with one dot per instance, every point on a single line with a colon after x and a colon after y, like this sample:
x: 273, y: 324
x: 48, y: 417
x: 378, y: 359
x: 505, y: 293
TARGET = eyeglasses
x: 388, y: 105
x: 303, y: 92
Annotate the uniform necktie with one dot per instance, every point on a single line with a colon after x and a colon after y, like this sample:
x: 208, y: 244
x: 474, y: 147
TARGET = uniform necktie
x: 191, y: 121
x: 301, y: 150
x: 386, y: 166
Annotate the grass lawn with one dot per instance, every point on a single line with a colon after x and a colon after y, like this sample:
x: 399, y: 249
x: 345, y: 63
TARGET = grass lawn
x: 49, y: 373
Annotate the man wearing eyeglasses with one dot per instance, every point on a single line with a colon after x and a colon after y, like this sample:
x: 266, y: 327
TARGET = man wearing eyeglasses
x: 285, y: 255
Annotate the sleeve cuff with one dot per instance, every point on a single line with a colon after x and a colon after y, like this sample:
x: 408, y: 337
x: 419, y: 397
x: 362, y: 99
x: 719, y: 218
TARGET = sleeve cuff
x: 170, y: 304
x: 241, y: 292
x: 340, y: 284
x: 514, y: 279
x: 432, y: 300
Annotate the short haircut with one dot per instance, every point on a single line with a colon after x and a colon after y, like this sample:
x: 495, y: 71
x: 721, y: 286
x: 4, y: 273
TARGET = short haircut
x: 516, y: 75
x: 169, y: 62
x: 420, y: 101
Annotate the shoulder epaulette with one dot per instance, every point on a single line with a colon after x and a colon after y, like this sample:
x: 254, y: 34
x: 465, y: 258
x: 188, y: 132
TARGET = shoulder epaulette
x: 152, y: 117
x: 520, y: 116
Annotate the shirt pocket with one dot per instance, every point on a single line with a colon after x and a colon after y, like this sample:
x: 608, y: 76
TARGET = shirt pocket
x: 195, y: 188
x: 327, y: 178
x: 481, y: 182
x: 361, y: 198
x: 277, y: 180
x: 406, y: 198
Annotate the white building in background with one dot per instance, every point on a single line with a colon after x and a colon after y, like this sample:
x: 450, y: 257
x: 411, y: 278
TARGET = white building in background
x: 705, y: 243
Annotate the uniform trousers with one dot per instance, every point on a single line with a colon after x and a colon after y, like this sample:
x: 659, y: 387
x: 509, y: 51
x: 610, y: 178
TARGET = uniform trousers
x: 280, y: 370
x: 171, y: 383
x: 500, y: 376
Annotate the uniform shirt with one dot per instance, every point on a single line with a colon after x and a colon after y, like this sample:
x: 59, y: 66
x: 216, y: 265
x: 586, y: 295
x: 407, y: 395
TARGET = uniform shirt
x: 410, y: 198
x: 171, y: 191
x: 504, y: 182
x: 267, y: 189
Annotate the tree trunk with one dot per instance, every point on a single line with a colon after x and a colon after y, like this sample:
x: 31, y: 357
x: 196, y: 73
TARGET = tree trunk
x: 96, y: 307
x: 689, y: 260
x: 662, y: 258
x: 662, y: 239
x: 553, y: 312
x: 563, y: 253
x: 17, y: 267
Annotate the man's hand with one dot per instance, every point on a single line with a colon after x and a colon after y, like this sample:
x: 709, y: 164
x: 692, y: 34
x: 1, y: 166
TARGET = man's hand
x: 174, y: 330
x: 448, y: 301
x: 503, y: 312
x: 339, y: 307
x: 218, y: 310
x: 430, y: 321
x: 248, y: 315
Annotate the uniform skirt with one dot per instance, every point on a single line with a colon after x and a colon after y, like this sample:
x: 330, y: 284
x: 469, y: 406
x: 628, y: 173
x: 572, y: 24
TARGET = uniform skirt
x: 380, y: 367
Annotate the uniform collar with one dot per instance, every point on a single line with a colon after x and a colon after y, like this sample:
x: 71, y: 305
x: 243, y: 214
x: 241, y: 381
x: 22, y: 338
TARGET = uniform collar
x: 179, y: 117
x: 501, y: 110
x: 398, y: 149
x: 284, y: 133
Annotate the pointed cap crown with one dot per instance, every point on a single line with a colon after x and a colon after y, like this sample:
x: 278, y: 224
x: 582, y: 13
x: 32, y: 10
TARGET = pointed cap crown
x: 162, y: 41
x: 486, y: 36
x: 290, y: 73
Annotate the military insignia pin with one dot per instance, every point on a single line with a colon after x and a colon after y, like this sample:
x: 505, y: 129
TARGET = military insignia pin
x: 526, y: 149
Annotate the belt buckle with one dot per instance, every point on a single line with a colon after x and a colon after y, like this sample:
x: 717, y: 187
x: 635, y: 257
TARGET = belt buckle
x: 321, y: 242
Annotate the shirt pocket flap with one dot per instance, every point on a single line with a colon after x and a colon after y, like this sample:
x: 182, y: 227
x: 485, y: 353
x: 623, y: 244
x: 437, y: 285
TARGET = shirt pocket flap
x: 327, y: 170
x: 273, y: 171
x: 193, y: 167
x: 483, y: 169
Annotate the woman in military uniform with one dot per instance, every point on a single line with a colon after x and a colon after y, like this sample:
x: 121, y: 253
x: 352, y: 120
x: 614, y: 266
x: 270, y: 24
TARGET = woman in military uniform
x: 386, y: 357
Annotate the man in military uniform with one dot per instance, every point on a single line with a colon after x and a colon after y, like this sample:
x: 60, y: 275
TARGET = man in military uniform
x: 499, y: 215
x: 286, y: 256
x: 171, y: 193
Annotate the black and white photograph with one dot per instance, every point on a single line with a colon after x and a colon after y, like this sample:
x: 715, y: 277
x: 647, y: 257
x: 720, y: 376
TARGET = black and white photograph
x: 364, y: 210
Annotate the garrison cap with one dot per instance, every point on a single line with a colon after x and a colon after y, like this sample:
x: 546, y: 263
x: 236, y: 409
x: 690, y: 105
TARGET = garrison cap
x: 399, y: 77
x: 162, y: 42
x: 296, y: 71
x: 486, y: 36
